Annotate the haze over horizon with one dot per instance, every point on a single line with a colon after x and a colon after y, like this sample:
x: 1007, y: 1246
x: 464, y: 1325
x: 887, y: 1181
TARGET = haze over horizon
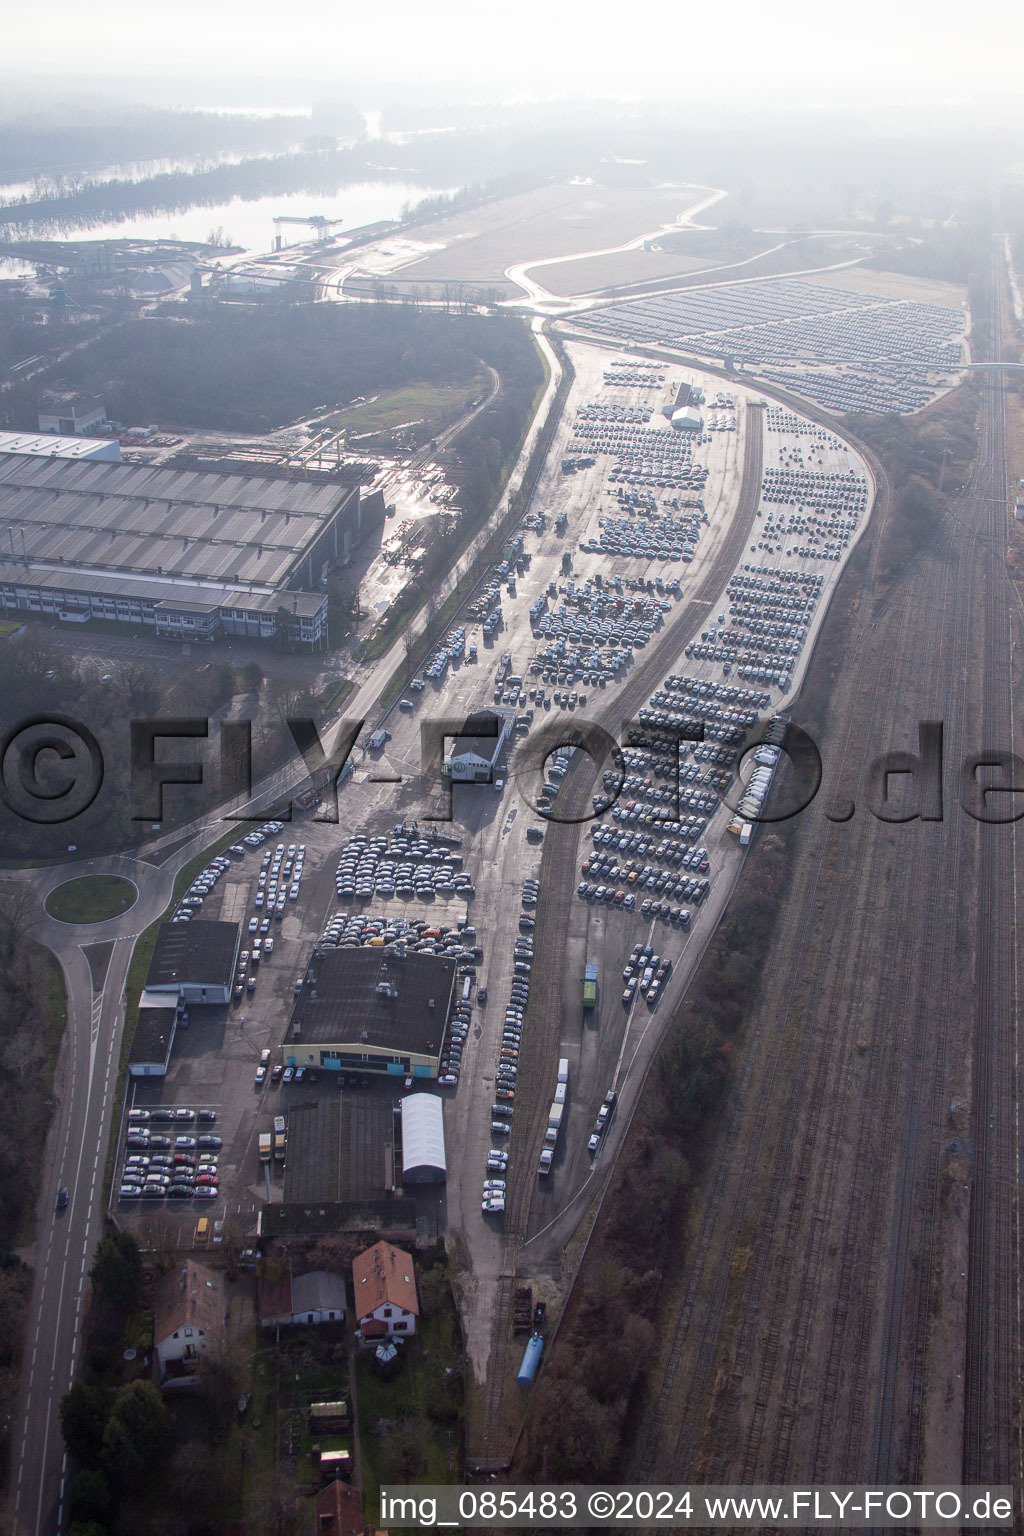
x: 745, y: 55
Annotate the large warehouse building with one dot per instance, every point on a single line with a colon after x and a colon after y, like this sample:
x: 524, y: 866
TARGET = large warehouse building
x: 184, y: 554
x: 372, y: 1010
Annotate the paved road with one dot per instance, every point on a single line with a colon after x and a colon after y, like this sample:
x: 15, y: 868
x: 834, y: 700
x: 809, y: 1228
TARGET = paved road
x: 76, y: 1156
x: 87, y: 1075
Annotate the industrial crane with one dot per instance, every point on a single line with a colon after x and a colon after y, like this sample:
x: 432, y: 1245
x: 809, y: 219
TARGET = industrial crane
x: 315, y: 221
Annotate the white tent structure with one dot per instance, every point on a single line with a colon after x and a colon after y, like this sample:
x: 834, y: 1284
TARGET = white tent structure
x: 423, y: 1139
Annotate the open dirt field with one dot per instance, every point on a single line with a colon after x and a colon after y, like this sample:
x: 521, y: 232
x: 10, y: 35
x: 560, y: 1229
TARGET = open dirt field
x: 558, y: 220
x: 896, y: 285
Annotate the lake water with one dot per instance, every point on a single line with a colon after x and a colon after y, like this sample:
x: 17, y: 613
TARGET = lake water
x: 250, y: 225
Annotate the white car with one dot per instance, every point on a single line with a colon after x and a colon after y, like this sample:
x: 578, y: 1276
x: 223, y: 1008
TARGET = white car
x: 492, y: 1204
x: 494, y: 1186
x: 254, y: 925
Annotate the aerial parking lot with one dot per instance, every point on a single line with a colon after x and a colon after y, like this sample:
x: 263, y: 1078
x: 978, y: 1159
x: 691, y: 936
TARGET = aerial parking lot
x: 849, y: 349
x: 670, y: 573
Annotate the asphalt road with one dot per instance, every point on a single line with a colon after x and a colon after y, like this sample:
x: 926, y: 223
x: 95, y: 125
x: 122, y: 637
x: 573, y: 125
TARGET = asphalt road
x: 86, y: 1079
x: 85, y: 1084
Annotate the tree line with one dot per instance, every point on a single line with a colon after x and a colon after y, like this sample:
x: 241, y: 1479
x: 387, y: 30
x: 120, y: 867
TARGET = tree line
x: 254, y: 369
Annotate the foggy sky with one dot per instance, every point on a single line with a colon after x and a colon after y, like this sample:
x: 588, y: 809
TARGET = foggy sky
x: 788, y: 53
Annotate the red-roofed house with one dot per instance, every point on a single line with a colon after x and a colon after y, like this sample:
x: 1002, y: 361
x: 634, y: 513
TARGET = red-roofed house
x: 384, y: 1282
x: 339, y: 1510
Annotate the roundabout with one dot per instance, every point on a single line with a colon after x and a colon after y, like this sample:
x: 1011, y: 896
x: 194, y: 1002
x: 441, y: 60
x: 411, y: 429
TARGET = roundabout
x: 91, y: 899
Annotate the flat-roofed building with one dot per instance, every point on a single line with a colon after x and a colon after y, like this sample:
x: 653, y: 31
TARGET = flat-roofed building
x: 188, y: 555
x: 104, y: 450
x: 382, y: 1011
x: 71, y: 414
x: 194, y: 961
x: 150, y: 1051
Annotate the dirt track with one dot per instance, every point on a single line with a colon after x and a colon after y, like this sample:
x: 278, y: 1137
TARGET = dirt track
x: 846, y: 1307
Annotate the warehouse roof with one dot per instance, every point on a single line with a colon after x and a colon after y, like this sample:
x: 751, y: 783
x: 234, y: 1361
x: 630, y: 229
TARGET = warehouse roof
x: 154, y: 1031
x: 196, y: 954
x: 141, y: 520
x: 377, y: 997
x: 483, y: 735
x: 170, y: 592
x: 423, y: 1135
x: 51, y: 446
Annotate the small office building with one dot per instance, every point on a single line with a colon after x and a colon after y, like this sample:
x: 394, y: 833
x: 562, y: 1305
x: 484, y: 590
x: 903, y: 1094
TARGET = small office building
x: 194, y: 962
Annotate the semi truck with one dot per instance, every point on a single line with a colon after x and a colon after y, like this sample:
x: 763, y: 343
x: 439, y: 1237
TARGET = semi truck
x: 266, y: 1146
x: 279, y: 1138
x: 590, y: 986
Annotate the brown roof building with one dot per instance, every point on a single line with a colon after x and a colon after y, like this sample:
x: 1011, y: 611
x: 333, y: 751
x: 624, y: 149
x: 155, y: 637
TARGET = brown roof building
x: 188, y: 1314
x: 384, y: 1282
x: 339, y: 1510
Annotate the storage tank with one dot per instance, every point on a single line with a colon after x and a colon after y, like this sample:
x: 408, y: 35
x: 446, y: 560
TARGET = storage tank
x: 531, y: 1360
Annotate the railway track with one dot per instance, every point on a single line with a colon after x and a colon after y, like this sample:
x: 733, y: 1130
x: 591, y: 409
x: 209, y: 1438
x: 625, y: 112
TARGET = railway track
x: 870, y: 1382
x: 991, y: 1427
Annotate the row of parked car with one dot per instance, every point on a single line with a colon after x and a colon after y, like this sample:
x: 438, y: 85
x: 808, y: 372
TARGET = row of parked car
x: 158, y: 1166
x: 192, y: 901
x: 403, y: 866
x: 507, y: 1066
x: 648, y: 538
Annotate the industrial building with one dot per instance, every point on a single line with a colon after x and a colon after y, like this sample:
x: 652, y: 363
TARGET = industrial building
x: 475, y: 753
x: 72, y: 414
x: 104, y: 450
x: 194, y: 962
x: 150, y: 1052
x: 423, y: 1160
x: 371, y: 1010
x: 184, y: 554
x: 688, y: 419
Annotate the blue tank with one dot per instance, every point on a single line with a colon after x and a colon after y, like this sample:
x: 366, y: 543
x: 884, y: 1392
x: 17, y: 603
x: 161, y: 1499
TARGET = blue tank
x: 531, y: 1360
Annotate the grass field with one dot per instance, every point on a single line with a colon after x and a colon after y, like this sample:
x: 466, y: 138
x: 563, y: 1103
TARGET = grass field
x: 433, y: 404
x: 410, y: 1424
x: 91, y: 899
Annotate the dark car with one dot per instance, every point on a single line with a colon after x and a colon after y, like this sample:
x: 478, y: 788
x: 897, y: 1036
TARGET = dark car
x: 62, y: 1198
x: 210, y: 1141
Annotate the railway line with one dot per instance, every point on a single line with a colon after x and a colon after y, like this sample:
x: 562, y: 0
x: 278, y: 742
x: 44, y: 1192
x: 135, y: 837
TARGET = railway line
x: 804, y: 1338
x: 991, y: 1429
